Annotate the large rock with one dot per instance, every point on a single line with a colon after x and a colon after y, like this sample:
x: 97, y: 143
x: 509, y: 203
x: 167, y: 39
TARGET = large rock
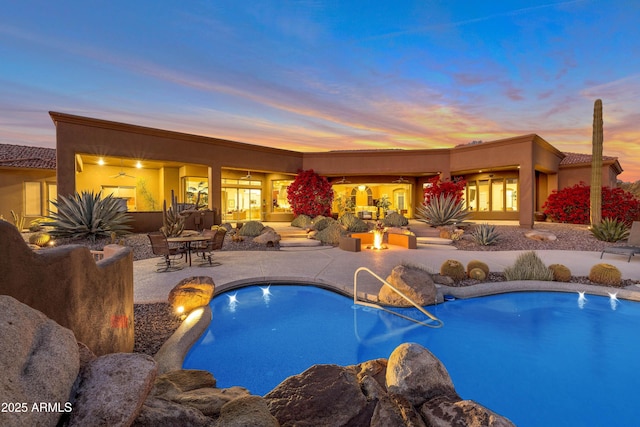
x: 541, y: 235
x: 40, y: 362
x: 326, y: 395
x: 191, y: 293
x: 444, y: 412
x: 172, y: 383
x: 158, y: 412
x: 210, y: 401
x: 415, y: 283
x: 113, y: 389
x: 247, y: 411
x: 414, y: 372
x: 268, y: 237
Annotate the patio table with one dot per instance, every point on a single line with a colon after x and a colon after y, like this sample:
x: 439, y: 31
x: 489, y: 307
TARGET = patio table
x: 188, y: 240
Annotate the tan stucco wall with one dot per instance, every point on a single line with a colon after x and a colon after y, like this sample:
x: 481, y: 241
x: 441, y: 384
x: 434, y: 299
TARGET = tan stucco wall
x: 94, y: 300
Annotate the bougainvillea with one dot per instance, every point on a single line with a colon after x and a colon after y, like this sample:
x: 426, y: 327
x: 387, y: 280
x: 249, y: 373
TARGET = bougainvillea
x: 310, y: 194
x: 571, y: 204
x: 435, y: 188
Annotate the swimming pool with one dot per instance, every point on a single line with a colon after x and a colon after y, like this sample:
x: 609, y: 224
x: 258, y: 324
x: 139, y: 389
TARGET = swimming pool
x: 538, y: 358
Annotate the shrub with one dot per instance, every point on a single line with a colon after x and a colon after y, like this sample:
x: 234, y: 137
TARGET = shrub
x: 331, y: 234
x: 442, y: 210
x: 310, y: 194
x: 320, y: 223
x: 89, y: 215
x: 610, y: 230
x: 474, y: 263
x: 251, y: 229
x: 435, y: 188
x: 528, y: 266
x: 40, y: 239
x: 394, y: 219
x: 605, y: 274
x: 485, y: 234
x: 453, y: 269
x: 560, y: 272
x: 352, y: 223
x: 571, y: 204
x: 477, y: 274
x: 302, y: 221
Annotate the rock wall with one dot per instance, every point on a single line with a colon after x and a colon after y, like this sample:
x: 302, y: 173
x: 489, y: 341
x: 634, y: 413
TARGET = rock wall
x: 93, y: 299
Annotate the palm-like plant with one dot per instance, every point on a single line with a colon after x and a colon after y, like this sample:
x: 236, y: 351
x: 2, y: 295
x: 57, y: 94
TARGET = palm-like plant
x: 442, y: 210
x: 89, y: 215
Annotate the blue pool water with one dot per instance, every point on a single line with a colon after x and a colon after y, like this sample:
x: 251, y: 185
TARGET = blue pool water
x: 540, y: 359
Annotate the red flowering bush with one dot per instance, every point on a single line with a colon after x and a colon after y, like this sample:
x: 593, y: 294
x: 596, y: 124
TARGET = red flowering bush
x: 435, y: 188
x: 571, y: 205
x: 310, y: 194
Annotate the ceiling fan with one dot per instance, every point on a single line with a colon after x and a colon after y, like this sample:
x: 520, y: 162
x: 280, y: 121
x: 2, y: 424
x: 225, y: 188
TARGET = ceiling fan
x: 247, y: 176
x: 400, y: 180
x: 343, y: 180
x: 122, y: 173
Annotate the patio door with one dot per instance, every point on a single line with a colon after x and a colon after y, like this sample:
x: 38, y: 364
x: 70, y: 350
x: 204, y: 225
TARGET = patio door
x: 241, y: 204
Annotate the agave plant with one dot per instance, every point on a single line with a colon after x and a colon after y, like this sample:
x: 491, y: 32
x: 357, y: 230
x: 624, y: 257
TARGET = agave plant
x: 485, y: 234
x: 89, y: 215
x: 442, y: 210
x: 610, y: 230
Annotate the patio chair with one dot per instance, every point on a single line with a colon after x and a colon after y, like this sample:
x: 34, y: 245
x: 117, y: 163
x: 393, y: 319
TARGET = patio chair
x: 213, y: 244
x: 631, y: 248
x: 160, y: 246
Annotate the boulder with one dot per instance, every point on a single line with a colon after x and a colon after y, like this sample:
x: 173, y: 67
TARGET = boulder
x: 40, y: 363
x: 541, y: 235
x: 247, y: 411
x: 415, y: 283
x: 268, y: 237
x: 172, y: 383
x: 191, y: 293
x: 414, y: 372
x: 209, y: 400
x: 113, y: 389
x: 326, y: 395
x: 444, y: 412
x: 158, y: 412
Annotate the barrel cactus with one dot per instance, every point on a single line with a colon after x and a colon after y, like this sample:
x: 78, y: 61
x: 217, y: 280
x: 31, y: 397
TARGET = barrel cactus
x: 605, y: 274
x: 474, y: 263
x: 561, y: 273
x: 477, y: 274
x: 453, y: 269
x: 40, y: 239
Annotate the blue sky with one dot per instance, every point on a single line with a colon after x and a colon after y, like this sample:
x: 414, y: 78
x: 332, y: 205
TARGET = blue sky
x: 319, y: 75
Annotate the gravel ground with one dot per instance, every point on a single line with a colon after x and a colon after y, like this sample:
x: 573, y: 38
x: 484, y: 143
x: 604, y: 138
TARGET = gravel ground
x: 154, y: 323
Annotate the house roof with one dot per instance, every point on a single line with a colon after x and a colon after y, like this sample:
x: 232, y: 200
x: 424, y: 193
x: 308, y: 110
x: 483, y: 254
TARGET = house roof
x: 23, y: 156
x: 579, y: 158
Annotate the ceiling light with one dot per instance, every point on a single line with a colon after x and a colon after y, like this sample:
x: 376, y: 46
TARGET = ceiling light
x: 101, y: 161
x: 138, y: 164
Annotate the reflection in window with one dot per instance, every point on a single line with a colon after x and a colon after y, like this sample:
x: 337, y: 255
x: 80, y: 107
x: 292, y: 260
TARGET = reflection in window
x: 194, y: 186
x: 279, y: 200
x: 512, y: 194
x: 483, y: 195
x: 472, y: 196
x: 497, y: 194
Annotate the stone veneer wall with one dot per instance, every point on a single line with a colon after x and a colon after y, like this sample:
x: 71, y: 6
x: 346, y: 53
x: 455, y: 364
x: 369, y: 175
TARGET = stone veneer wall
x: 93, y: 299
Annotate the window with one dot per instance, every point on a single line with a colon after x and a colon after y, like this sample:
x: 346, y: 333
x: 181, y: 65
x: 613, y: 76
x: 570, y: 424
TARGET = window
x: 32, y: 199
x: 126, y: 195
x: 512, y: 194
x: 497, y: 195
x: 52, y: 194
x: 483, y: 195
x: 279, y: 201
x: 194, y: 186
x: 492, y: 195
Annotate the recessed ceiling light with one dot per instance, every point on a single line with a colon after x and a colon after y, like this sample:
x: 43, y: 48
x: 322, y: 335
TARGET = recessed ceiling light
x: 101, y: 161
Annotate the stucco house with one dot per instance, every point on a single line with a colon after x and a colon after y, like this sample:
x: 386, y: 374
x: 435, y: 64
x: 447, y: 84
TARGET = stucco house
x: 506, y: 179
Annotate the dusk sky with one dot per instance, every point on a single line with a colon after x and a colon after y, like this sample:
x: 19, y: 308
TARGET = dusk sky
x: 316, y: 75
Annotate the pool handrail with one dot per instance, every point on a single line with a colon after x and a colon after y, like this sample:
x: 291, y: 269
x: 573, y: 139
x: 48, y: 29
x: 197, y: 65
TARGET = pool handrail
x: 439, y: 323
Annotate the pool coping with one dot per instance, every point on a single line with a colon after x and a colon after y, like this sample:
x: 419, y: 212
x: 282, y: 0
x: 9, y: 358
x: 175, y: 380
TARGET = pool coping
x: 173, y: 352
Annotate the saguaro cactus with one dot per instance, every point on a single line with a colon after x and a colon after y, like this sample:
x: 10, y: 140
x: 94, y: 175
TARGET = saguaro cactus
x: 172, y: 221
x: 596, y: 165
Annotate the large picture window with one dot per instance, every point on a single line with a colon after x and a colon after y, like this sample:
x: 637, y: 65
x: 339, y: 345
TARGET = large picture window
x: 32, y: 199
x: 493, y: 194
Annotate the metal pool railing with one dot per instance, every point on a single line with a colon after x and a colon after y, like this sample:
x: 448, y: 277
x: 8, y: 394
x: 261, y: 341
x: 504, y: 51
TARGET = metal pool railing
x: 438, y: 323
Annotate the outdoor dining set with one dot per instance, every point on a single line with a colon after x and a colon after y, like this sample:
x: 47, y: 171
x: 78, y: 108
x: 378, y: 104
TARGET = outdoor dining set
x: 177, y: 251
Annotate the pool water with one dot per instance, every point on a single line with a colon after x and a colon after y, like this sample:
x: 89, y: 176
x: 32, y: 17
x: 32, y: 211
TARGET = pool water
x: 538, y: 358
